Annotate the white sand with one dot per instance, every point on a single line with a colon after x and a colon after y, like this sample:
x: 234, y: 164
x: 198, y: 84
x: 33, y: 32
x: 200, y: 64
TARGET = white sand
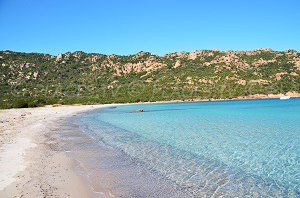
x: 12, y: 160
x: 28, y: 166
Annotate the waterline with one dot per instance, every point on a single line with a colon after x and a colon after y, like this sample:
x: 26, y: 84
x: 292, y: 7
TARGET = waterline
x: 235, y: 148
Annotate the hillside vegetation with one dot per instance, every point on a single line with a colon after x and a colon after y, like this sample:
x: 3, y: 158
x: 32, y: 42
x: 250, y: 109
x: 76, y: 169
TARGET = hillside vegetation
x: 34, y: 79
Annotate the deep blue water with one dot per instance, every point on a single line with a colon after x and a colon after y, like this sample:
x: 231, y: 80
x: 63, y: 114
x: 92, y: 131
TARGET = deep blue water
x: 229, y: 148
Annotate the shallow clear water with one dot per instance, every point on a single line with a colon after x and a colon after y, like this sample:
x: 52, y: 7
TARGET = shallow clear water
x: 228, y: 148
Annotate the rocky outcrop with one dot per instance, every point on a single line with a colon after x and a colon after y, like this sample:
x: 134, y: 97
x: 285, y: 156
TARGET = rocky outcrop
x: 294, y: 74
x: 59, y: 57
x: 279, y: 75
x: 147, y: 66
x: 177, y: 64
x: 260, y: 81
x: 261, y: 62
x: 242, y: 82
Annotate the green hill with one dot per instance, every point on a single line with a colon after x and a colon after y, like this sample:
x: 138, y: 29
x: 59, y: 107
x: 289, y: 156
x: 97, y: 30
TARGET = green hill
x: 34, y: 79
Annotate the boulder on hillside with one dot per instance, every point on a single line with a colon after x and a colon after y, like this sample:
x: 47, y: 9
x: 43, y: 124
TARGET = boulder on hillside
x: 59, y: 57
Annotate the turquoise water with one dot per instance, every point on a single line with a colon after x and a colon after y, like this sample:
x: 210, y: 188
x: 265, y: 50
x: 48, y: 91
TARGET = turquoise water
x: 228, y: 148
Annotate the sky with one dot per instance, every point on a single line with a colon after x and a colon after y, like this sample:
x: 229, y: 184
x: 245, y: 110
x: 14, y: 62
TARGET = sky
x: 158, y: 26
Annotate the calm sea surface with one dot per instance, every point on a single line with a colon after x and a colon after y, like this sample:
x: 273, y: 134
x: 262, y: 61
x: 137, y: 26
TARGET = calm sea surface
x: 229, y: 148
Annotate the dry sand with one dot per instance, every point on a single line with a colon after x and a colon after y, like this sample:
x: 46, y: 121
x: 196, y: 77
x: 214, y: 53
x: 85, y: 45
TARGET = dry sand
x: 30, y: 166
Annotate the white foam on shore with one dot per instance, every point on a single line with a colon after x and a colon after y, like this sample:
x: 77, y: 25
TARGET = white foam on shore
x: 12, y: 160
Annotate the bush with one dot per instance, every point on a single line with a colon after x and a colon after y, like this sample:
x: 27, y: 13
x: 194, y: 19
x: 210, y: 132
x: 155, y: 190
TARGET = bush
x: 20, y: 103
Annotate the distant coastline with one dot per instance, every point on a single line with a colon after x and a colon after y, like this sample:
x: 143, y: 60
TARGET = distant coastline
x: 250, y: 97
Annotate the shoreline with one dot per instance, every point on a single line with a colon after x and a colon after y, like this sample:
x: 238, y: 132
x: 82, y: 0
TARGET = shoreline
x: 108, y: 164
x: 30, y: 155
x: 31, y: 163
x: 249, y: 97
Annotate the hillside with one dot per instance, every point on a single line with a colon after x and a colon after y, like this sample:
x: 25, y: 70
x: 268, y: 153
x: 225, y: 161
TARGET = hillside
x: 34, y: 79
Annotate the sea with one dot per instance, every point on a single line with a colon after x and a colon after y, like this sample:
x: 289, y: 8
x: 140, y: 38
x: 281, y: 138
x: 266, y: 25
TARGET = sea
x: 241, y: 148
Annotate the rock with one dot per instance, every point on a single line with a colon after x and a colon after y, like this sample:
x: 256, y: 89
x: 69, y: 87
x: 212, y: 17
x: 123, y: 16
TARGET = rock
x: 205, y: 81
x: 27, y: 65
x: 189, y: 80
x: 292, y: 94
x: 242, y: 82
x: 290, y: 51
x: 147, y: 66
x: 259, y: 81
x: 59, y: 57
x: 94, y: 59
x: 140, y: 54
x: 261, y: 62
x: 194, y: 54
x: 35, y: 74
x: 294, y: 74
x: 149, y: 80
x: 177, y: 64
x: 278, y: 75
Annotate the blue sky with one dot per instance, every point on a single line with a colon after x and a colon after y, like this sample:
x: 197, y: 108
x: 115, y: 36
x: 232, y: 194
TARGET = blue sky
x: 157, y: 26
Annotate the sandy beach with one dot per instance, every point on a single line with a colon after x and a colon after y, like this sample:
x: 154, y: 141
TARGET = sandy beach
x: 30, y: 165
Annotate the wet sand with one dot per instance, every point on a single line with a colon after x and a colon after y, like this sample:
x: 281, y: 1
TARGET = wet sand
x: 45, y: 153
x: 108, y: 170
x: 31, y: 163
